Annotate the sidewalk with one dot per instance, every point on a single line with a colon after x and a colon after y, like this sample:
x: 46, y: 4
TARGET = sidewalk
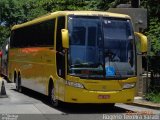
x: 139, y: 101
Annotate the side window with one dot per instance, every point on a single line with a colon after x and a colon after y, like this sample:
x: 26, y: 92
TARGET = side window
x: 41, y: 34
x: 16, y: 37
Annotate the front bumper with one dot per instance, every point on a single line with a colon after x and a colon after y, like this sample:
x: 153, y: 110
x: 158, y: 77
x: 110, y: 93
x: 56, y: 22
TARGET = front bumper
x: 77, y: 95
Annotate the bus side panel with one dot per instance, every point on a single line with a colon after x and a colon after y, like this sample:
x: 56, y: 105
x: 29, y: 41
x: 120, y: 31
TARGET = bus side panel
x: 35, y: 64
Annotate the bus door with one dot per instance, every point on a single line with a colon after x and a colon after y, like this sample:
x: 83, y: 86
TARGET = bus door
x: 60, y: 57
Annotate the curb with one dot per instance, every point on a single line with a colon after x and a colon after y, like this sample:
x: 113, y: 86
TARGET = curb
x: 144, y: 105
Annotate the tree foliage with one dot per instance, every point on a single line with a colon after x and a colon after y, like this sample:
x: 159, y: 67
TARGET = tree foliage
x: 18, y: 11
x: 153, y: 7
x: 154, y: 35
x: 153, y: 31
x: 4, y: 33
x: 11, y: 12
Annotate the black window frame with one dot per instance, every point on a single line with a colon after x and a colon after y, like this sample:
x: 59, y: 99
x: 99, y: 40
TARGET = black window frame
x: 60, y: 58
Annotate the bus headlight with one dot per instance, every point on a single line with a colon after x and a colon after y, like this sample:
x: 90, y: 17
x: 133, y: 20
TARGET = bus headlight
x: 74, y: 84
x: 128, y: 85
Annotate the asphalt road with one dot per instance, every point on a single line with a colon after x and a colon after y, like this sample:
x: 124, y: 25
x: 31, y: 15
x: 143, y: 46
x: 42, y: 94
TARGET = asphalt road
x: 31, y: 105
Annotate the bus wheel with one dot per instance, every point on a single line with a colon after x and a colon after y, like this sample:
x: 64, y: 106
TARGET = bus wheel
x: 15, y: 77
x: 53, y: 99
x: 18, y: 84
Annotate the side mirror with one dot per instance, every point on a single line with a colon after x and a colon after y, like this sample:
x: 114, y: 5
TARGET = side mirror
x: 65, y: 38
x: 143, y: 42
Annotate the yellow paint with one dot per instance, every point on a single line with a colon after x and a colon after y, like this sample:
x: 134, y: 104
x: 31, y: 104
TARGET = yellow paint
x: 85, y: 96
x: 144, y: 42
x: 34, y: 65
x: 66, y: 13
x: 94, y: 88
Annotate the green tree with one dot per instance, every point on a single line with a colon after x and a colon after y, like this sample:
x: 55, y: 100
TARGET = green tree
x: 53, y: 5
x: 11, y: 12
x: 4, y: 34
x: 153, y: 34
x: 153, y: 31
x: 17, y: 11
x: 153, y: 7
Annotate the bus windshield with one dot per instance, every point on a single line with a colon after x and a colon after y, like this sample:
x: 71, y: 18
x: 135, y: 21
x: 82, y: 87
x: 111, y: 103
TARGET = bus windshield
x: 100, y: 47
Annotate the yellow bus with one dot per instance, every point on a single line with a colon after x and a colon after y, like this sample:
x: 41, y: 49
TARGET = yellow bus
x: 76, y: 57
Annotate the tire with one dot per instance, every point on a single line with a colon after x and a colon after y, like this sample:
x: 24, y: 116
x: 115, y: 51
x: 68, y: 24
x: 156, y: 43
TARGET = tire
x: 53, y: 100
x: 18, y: 84
x: 15, y: 77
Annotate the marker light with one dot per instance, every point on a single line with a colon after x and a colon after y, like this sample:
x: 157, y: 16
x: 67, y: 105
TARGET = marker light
x: 74, y: 84
x: 128, y: 85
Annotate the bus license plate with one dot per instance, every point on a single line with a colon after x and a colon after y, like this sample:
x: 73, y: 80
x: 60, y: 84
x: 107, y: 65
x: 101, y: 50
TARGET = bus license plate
x: 103, y: 96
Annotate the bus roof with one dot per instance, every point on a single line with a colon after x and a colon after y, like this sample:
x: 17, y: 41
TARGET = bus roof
x: 64, y: 13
